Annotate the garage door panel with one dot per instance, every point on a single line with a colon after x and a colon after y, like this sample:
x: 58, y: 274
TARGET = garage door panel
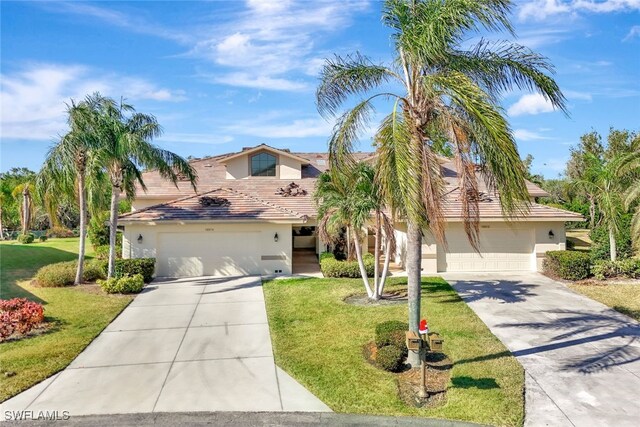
x: 501, y: 249
x: 205, y: 254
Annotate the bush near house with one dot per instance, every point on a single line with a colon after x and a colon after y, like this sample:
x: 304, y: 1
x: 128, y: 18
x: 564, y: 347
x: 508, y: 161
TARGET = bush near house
x: 133, y: 266
x: 64, y: 273
x: 600, y: 250
x: 19, y: 315
x: 331, y: 267
x: 568, y: 265
x: 629, y: 268
x: 123, y: 285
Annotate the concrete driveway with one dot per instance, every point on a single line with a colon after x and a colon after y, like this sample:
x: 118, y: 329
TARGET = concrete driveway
x: 582, y: 359
x: 181, y: 346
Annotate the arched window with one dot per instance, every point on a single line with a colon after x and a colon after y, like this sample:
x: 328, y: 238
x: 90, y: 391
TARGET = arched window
x: 263, y: 164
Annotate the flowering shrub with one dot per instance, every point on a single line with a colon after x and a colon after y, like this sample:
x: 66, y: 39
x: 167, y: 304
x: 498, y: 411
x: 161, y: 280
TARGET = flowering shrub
x: 19, y: 315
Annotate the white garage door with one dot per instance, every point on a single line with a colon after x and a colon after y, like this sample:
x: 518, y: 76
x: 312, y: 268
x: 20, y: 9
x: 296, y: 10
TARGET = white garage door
x: 502, y: 248
x: 208, y: 254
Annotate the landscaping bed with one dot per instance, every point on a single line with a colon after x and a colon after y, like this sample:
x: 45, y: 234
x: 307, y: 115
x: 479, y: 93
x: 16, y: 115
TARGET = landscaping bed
x: 73, y: 316
x: 321, y: 341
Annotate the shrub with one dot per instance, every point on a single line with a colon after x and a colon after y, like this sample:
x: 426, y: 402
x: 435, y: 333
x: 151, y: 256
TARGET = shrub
x: 98, y: 230
x: 623, y: 268
x: 123, y: 285
x: 59, y: 232
x: 568, y: 265
x: 331, y: 267
x: 600, y: 238
x: 64, y: 273
x: 102, y: 251
x: 26, y: 238
x: 390, y: 358
x: 133, y: 266
x: 43, y: 238
x: 387, y: 333
x: 19, y: 315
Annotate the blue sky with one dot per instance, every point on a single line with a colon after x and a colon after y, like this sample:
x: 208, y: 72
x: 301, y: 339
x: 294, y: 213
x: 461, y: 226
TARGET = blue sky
x: 221, y: 75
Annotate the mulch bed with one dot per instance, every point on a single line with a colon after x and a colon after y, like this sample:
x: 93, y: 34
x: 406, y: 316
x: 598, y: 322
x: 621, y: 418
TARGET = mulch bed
x: 388, y: 298
x: 408, y: 380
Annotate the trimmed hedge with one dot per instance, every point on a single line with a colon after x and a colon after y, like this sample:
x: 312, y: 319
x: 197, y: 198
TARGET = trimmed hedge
x: 390, y: 358
x: 623, y: 268
x: 392, y: 332
x: 123, y: 285
x: 59, y: 232
x: 568, y: 265
x: 25, y: 239
x: 64, y: 273
x: 331, y: 267
x: 133, y: 266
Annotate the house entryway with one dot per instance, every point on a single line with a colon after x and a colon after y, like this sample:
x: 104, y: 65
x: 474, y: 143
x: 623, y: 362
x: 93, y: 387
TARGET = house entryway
x: 305, y: 262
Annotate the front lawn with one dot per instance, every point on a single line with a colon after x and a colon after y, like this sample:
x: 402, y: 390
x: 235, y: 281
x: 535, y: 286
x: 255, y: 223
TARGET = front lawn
x: 624, y: 298
x: 319, y: 340
x: 77, y: 316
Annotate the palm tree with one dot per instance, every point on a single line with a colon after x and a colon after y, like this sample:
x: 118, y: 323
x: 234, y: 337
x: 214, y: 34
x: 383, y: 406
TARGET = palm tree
x: 610, y: 179
x: 346, y: 198
x: 67, y: 168
x: 125, y: 150
x: 438, y: 87
x: 25, y: 191
x: 633, y: 196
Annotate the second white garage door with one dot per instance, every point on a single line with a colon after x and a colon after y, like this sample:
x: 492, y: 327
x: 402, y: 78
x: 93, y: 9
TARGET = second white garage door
x: 502, y: 248
x: 208, y: 254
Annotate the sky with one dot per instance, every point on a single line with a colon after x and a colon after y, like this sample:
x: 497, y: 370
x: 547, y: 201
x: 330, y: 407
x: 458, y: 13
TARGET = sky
x: 222, y: 75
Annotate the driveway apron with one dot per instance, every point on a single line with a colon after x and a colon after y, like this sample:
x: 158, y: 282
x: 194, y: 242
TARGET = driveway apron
x: 199, y: 344
x: 582, y: 359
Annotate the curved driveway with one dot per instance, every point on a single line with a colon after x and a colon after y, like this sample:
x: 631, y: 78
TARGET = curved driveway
x: 181, y: 346
x: 582, y: 359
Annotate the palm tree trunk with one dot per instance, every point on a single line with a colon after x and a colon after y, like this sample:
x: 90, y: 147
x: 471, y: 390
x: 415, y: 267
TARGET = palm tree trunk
x: 414, y: 260
x: 592, y: 212
x: 26, y: 210
x: 363, y: 270
x: 385, y: 269
x: 612, y: 244
x: 113, y: 228
x: 82, y: 199
x: 376, y: 255
x: 1, y: 228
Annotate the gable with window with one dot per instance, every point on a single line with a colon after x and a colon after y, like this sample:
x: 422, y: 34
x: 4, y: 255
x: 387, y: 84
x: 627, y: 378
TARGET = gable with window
x: 263, y: 164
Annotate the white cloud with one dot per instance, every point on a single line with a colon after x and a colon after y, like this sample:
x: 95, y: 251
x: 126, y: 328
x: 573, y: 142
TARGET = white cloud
x: 530, y: 104
x: 582, y: 96
x: 33, y: 99
x: 298, y: 128
x: 542, y: 36
x: 273, y: 40
x: 527, y: 135
x: 633, y: 33
x: 539, y: 10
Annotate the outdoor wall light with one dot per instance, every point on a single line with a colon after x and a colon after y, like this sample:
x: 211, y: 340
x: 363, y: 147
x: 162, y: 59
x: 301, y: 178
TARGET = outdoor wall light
x: 275, y: 237
x: 139, y: 238
x: 551, y: 235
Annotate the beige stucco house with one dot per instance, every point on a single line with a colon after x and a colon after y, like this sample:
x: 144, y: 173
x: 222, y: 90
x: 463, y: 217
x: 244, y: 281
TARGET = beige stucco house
x: 254, y: 210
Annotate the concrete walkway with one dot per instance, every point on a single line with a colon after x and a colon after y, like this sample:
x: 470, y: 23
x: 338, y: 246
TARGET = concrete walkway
x: 181, y: 346
x: 582, y: 359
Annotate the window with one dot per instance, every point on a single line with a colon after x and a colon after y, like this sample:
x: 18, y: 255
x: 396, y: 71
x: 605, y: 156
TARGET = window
x: 263, y: 164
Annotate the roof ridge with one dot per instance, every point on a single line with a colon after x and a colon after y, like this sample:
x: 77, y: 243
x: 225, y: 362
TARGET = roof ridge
x: 264, y: 202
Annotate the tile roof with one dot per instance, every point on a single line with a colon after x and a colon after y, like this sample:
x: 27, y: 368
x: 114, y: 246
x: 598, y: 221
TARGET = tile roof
x: 265, y: 191
x: 218, y: 204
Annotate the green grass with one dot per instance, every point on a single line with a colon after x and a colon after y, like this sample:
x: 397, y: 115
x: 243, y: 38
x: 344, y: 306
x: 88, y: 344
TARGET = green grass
x: 318, y: 339
x: 580, y: 238
x: 624, y: 298
x: 78, y: 316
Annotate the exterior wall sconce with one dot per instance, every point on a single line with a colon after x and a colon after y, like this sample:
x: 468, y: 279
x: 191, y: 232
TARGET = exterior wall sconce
x: 275, y: 237
x: 551, y: 235
x: 139, y: 238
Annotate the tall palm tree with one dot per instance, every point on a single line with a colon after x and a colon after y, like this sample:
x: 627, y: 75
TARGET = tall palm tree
x: 346, y: 199
x: 69, y: 164
x: 125, y: 149
x: 609, y: 179
x: 438, y: 87
x: 25, y: 192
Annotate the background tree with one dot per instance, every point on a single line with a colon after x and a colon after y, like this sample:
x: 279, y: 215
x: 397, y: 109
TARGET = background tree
x: 125, y: 149
x: 24, y: 193
x: 590, y: 146
x: 11, y: 217
x: 438, y: 87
